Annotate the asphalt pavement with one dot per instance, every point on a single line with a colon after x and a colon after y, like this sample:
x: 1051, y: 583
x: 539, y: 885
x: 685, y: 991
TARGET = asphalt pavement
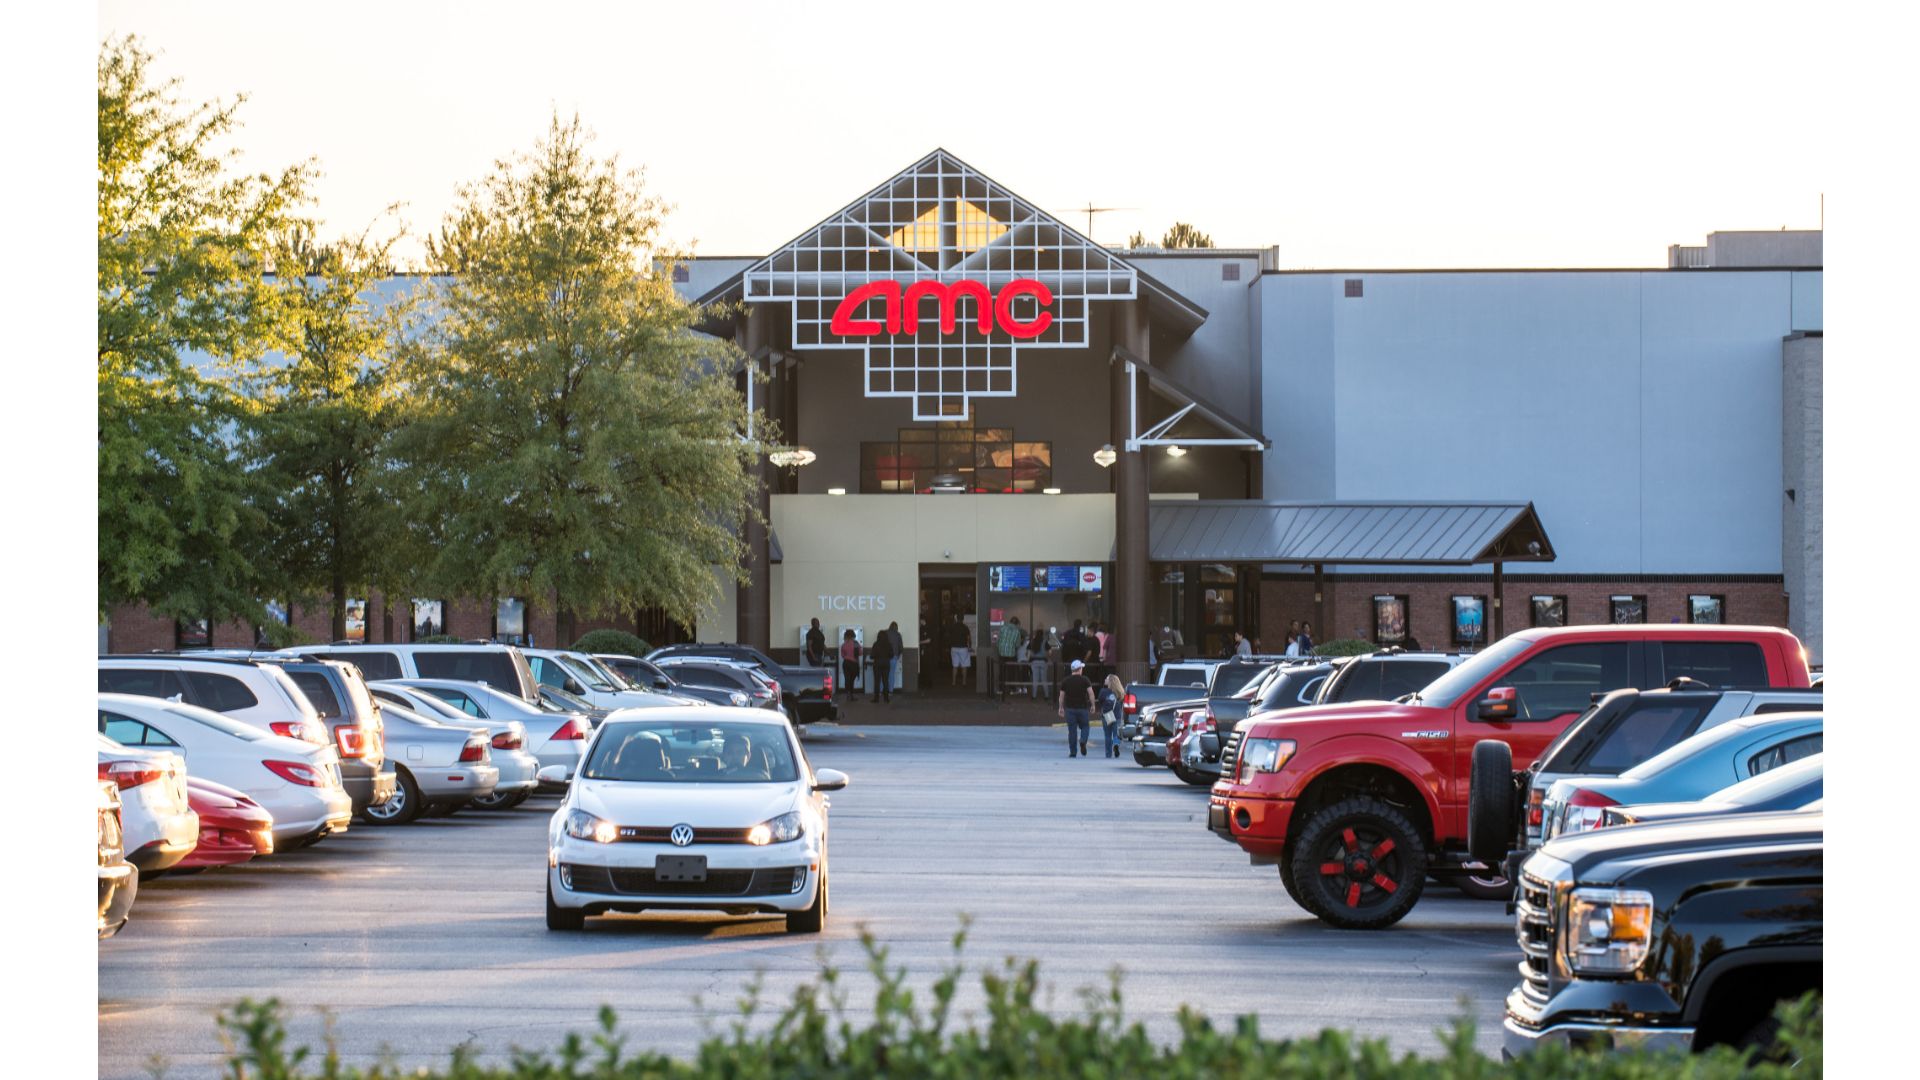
x: 413, y: 939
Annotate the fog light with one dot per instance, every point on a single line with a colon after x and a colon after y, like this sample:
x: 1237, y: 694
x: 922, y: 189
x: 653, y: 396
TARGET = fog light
x: 799, y: 879
x: 566, y: 875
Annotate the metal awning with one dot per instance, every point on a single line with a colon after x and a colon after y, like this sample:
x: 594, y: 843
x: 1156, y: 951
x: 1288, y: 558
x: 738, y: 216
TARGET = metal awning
x: 1359, y: 533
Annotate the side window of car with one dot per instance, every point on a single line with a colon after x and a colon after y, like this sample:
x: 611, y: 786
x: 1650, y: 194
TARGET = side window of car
x: 121, y: 729
x: 1716, y: 663
x: 1359, y: 682
x: 319, y: 692
x: 460, y: 701
x: 1787, y: 752
x: 372, y: 665
x: 1311, y: 691
x: 147, y: 682
x: 221, y: 693
x: 1563, y: 680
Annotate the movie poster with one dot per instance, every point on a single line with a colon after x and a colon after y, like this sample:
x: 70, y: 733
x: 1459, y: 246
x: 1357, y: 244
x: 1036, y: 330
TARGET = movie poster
x: 1469, y: 620
x: 1707, y: 609
x: 1389, y: 619
x: 1628, y: 609
x: 429, y: 618
x: 1549, y: 611
x: 510, y: 621
x: 356, y: 620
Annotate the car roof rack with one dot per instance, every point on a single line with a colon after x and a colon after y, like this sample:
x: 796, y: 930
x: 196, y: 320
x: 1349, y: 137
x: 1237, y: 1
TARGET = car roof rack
x: 175, y: 654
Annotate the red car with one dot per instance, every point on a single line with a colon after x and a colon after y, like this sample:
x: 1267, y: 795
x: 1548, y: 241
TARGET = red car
x: 233, y: 828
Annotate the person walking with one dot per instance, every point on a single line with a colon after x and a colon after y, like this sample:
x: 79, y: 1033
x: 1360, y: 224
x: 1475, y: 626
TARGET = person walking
x: 959, y: 646
x: 899, y: 656
x: 849, y: 665
x: 1108, y: 706
x: 1305, y: 639
x: 1076, y: 701
x: 816, y: 645
x: 881, y: 653
x: 1006, y: 646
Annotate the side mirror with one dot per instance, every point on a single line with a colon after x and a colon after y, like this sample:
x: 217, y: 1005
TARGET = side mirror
x: 553, y: 774
x: 662, y: 684
x: 829, y: 780
x: 573, y: 686
x: 1501, y: 703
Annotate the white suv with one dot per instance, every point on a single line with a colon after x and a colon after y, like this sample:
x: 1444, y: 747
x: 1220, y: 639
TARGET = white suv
x: 258, y: 694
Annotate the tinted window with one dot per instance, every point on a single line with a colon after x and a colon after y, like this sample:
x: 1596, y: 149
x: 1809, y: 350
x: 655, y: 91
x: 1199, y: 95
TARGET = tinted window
x: 1640, y: 734
x: 372, y: 665
x: 130, y: 732
x: 1564, y: 680
x: 1358, y: 681
x: 1791, y: 750
x: 1184, y: 676
x: 1229, y: 679
x: 221, y: 693
x: 319, y: 690
x: 548, y: 672
x: 1716, y: 663
x: 706, y: 676
x: 457, y: 699
x: 147, y: 682
x: 493, y: 668
x: 1399, y: 677
x: 670, y: 752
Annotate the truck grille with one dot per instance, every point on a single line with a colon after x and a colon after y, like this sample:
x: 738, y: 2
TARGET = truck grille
x: 1533, y: 925
x: 1230, y: 756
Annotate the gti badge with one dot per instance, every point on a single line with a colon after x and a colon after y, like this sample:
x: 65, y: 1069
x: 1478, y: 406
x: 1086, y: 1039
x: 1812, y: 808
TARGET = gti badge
x: 682, y: 835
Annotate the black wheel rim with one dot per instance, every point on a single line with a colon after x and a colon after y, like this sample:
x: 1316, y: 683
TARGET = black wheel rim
x: 1359, y: 869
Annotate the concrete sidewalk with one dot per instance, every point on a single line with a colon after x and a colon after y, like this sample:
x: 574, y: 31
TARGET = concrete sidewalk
x: 956, y: 708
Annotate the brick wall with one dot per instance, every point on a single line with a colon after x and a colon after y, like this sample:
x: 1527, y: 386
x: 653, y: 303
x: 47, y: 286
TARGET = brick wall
x: 133, y: 628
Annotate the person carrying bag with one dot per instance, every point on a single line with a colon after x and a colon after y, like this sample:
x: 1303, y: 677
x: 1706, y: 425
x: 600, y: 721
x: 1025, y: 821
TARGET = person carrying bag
x: 1108, y: 706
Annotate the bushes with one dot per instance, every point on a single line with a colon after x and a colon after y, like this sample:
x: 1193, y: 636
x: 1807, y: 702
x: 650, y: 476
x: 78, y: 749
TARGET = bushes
x: 611, y: 641
x: 909, y: 1036
x: 1345, y: 647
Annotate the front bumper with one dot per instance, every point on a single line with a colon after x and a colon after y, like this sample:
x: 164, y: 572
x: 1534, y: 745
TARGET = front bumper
x: 1518, y: 1039
x: 618, y: 877
x: 366, y: 784
x: 118, y: 885
x: 1594, y: 1013
x: 1257, y: 824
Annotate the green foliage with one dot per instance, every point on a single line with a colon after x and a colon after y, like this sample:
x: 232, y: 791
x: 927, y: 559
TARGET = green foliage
x: 282, y: 636
x: 1345, y: 647
x: 576, y: 438
x: 908, y: 1035
x: 183, y: 254
x: 1183, y: 235
x: 612, y: 641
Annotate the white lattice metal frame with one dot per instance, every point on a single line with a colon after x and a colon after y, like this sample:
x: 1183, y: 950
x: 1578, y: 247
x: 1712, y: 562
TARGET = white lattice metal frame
x: 943, y: 221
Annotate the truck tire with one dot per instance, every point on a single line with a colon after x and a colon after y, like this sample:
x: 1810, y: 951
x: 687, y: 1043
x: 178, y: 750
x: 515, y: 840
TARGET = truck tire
x: 1358, y: 864
x: 1286, y: 883
x: 1490, y: 824
x: 1197, y: 779
x: 1480, y: 884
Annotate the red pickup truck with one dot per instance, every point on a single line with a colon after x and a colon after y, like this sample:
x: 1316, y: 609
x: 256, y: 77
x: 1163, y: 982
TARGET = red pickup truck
x: 1357, y: 803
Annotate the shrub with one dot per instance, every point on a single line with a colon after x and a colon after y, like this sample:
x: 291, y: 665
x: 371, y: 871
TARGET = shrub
x: 1345, y: 647
x: 814, y: 1036
x: 612, y: 641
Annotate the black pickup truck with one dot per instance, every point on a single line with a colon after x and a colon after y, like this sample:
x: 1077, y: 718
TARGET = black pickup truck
x: 1147, y: 709
x: 807, y: 692
x: 1675, y: 936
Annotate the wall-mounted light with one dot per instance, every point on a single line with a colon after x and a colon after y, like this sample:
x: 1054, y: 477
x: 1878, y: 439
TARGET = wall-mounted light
x: 792, y: 458
x: 836, y: 491
x: 1049, y: 491
x: 1105, y: 457
x: 1176, y: 451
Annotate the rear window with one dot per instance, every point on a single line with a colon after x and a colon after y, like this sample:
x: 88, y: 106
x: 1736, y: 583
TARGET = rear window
x: 147, y: 682
x: 1358, y: 681
x: 1791, y: 750
x: 374, y: 665
x: 1183, y: 676
x: 1401, y: 677
x: 495, y: 668
x: 697, y: 675
x: 1640, y: 734
x: 319, y: 690
x: 221, y: 693
x: 130, y: 732
x: 1230, y: 679
x: 1716, y: 663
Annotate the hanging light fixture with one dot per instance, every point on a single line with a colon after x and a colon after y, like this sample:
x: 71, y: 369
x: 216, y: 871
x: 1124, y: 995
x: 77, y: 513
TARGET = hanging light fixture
x: 1176, y: 451
x: 1105, y: 457
x: 792, y: 458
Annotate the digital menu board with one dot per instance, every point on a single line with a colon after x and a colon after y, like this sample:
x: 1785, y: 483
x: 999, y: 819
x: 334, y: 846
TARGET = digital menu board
x: 1043, y: 577
x: 1062, y: 578
x: 1090, y: 578
x: 1011, y: 577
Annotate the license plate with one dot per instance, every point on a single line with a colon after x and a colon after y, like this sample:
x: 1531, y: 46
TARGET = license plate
x: 679, y: 868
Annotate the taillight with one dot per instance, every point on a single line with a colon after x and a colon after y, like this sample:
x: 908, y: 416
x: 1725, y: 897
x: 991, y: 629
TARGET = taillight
x: 1584, y: 797
x: 507, y: 740
x: 1536, y: 812
x: 303, y: 730
x: 475, y: 750
x: 1129, y: 704
x: 775, y: 686
x: 1584, y: 811
x: 297, y: 772
x: 572, y: 729
x: 352, y: 743
x: 130, y: 774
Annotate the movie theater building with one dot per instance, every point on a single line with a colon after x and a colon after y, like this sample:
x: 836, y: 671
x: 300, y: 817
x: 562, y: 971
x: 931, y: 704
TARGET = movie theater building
x: 990, y: 416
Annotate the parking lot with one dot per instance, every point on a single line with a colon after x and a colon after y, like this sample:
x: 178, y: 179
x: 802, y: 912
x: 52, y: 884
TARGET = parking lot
x: 416, y: 939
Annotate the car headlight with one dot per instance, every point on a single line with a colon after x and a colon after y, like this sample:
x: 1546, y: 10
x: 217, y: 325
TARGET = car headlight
x: 787, y: 826
x: 738, y: 698
x: 1264, y: 755
x: 584, y: 826
x: 1608, y: 930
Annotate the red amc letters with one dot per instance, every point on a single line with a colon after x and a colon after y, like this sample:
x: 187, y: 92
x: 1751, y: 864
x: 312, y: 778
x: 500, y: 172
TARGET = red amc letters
x: 903, y: 307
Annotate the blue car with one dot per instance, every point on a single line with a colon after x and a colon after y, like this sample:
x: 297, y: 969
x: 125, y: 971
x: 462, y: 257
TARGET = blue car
x: 1688, y: 771
x: 1790, y: 787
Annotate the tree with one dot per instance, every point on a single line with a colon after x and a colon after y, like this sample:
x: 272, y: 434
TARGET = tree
x: 1183, y: 235
x: 576, y: 437
x: 317, y: 437
x: 1137, y: 240
x: 182, y: 276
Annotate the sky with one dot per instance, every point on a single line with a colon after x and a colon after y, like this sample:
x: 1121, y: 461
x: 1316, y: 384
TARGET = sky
x: 1514, y: 136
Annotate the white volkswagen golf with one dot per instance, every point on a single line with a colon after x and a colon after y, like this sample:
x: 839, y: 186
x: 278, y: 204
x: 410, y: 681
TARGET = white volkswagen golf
x: 708, y: 808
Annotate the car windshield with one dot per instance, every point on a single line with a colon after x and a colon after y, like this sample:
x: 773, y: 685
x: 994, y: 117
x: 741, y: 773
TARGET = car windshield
x: 588, y: 674
x: 1447, y: 689
x: 669, y: 752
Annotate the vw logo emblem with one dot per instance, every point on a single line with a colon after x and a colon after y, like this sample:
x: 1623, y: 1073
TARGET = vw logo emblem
x: 682, y: 835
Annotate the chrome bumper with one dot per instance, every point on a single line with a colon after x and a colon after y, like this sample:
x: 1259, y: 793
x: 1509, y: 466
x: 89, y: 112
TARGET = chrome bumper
x: 1518, y: 1039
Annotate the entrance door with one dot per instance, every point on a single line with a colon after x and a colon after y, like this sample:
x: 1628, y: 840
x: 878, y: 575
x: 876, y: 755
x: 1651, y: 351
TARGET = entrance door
x: 945, y: 591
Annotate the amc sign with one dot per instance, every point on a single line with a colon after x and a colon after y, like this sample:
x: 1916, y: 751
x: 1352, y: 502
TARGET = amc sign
x: 903, y: 307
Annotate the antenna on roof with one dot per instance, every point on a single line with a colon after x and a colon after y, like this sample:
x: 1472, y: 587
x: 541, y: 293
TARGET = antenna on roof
x: 1091, y: 210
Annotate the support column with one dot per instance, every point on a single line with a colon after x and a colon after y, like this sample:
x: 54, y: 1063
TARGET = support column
x: 1131, y: 589
x: 1320, y: 603
x: 1499, y: 607
x: 753, y: 601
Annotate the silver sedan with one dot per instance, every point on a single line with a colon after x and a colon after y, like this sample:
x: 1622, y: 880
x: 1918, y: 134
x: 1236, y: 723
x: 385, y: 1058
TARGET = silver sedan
x: 556, y: 738
x: 519, y: 770
x: 438, y: 768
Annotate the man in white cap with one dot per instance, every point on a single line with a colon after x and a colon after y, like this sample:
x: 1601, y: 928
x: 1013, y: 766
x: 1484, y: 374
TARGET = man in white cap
x: 1076, y: 708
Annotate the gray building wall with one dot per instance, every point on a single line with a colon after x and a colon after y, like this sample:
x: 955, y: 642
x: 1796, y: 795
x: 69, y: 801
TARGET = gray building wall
x: 1213, y: 363
x: 1803, y: 498
x: 1623, y: 404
